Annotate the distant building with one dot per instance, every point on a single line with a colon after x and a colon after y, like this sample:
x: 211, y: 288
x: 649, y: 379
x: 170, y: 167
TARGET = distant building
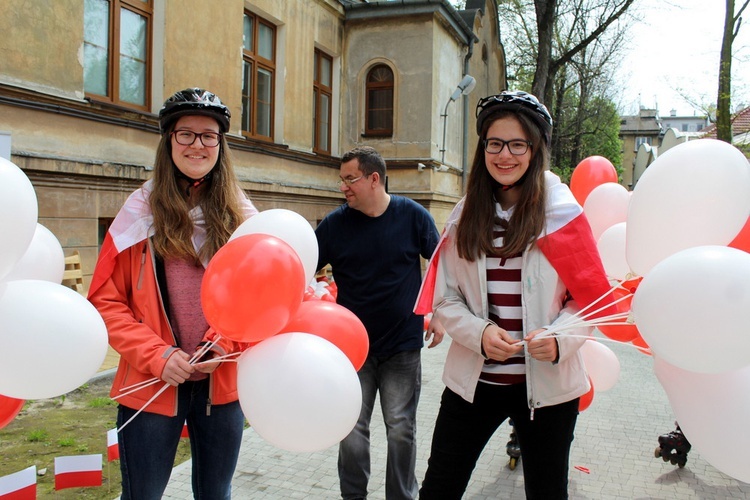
x: 740, y: 130
x: 683, y: 124
x: 644, y: 128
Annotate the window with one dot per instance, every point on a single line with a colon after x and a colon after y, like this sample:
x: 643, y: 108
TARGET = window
x: 117, y: 51
x: 323, y: 69
x: 258, y: 70
x: 379, y: 101
x: 641, y: 140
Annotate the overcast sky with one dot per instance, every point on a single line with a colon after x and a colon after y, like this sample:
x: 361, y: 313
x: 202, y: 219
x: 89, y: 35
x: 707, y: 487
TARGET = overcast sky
x: 677, y: 46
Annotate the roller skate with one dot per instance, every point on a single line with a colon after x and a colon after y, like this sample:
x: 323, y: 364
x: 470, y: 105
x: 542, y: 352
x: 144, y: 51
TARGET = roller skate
x: 673, y: 447
x: 513, y: 448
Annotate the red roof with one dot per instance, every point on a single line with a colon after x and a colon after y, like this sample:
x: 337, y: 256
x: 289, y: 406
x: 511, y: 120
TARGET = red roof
x: 740, y: 125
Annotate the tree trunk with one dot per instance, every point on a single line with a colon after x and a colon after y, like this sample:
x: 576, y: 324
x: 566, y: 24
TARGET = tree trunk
x: 545, y: 23
x: 723, y: 100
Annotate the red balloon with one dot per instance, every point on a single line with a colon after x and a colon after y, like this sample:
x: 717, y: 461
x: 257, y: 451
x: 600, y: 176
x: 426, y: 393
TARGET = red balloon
x: 590, y: 173
x: 587, y: 398
x: 742, y: 240
x: 252, y: 287
x: 9, y: 408
x: 641, y: 345
x: 336, y: 324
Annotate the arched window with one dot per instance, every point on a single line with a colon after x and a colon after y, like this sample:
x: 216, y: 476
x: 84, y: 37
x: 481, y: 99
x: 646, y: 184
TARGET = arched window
x: 379, y: 101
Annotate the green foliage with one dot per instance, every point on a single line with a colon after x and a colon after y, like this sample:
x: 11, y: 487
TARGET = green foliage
x: 66, y: 442
x: 100, y: 402
x: 38, y: 436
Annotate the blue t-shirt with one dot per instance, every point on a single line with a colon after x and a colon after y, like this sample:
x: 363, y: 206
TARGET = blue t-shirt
x: 376, y: 266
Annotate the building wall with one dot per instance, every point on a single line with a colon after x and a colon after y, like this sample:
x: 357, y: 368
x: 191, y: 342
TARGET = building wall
x: 85, y: 157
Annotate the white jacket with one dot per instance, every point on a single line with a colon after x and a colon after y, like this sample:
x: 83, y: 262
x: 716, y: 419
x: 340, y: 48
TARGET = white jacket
x: 460, y: 303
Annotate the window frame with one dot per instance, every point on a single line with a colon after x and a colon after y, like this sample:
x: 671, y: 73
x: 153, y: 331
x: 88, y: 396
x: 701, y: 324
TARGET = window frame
x: 320, y: 90
x: 257, y: 63
x: 371, y: 87
x: 145, y: 9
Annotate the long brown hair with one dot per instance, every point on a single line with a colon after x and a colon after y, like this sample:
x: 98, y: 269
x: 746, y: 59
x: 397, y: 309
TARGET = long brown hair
x: 220, y: 202
x: 475, y: 226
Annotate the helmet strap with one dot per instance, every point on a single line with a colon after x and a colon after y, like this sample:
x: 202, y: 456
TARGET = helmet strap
x: 192, y: 183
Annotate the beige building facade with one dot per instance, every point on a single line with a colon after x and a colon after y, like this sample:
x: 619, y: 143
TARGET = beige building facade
x: 82, y: 81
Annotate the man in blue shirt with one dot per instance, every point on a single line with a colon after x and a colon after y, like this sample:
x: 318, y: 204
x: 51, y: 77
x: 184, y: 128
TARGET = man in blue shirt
x: 373, y: 243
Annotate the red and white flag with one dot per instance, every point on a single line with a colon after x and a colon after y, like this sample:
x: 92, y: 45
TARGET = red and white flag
x: 113, y: 447
x: 19, y: 485
x: 77, y: 471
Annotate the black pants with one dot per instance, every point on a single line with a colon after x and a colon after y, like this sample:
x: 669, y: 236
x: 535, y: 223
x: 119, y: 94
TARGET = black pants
x: 462, y: 430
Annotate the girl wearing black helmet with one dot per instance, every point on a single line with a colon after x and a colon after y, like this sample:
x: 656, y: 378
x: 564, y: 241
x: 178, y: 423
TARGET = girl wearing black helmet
x: 517, y: 258
x: 146, y: 286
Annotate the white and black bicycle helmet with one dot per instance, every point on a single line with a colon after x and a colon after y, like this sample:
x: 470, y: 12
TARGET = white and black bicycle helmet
x: 194, y: 101
x: 516, y: 101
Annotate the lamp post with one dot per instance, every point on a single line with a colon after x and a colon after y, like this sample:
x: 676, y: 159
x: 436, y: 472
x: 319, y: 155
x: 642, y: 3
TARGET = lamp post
x: 465, y: 86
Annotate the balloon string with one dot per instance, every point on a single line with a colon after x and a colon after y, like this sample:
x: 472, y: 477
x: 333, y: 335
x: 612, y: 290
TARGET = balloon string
x: 597, y: 339
x: 193, y: 361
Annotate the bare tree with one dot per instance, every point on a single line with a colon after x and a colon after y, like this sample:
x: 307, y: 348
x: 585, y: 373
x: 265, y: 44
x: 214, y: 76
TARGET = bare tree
x: 732, y: 24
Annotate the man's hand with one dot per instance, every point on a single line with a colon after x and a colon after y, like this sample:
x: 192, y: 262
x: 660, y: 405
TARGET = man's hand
x: 435, y: 331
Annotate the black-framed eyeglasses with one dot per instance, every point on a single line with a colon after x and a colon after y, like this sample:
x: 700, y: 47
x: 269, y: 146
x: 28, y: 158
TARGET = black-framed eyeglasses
x: 187, y: 138
x: 516, y: 147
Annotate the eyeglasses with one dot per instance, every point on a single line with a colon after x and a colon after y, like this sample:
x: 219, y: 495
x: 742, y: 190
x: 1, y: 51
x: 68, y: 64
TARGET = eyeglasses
x: 516, y: 147
x: 187, y: 138
x: 349, y: 182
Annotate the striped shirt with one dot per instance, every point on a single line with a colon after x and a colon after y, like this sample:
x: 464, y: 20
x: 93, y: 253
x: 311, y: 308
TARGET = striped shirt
x: 504, y: 300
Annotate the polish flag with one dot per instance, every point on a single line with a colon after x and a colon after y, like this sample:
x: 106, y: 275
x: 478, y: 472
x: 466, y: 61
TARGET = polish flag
x: 19, y: 485
x: 113, y: 448
x: 77, y: 471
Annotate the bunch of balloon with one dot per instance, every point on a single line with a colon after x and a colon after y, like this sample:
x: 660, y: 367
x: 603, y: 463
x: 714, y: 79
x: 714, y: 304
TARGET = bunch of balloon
x: 297, y: 383
x: 687, y: 237
x: 53, y: 339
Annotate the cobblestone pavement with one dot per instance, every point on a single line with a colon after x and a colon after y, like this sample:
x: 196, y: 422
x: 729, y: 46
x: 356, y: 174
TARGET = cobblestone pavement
x: 615, y: 441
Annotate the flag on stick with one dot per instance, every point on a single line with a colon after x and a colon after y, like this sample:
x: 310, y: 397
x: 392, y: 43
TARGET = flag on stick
x: 19, y: 485
x: 113, y: 447
x: 77, y: 471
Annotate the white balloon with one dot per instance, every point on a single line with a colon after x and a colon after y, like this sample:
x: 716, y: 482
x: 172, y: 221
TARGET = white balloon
x: 299, y: 391
x: 53, y: 340
x: 289, y: 227
x: 602, y: 365
x: 694, y: 194
x: 18, y: 214
x: 605, y: 206
x: 611, y: 246
x: 713, y: 411
x: 43, y: 260
x: 693, y: 309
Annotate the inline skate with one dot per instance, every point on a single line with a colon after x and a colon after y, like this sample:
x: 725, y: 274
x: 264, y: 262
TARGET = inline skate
x: 513, y: 448
x: 673, y: 447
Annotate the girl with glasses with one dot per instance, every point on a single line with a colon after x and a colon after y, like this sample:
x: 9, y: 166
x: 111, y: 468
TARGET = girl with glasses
x: 146, y: 286
x: 517, y: 257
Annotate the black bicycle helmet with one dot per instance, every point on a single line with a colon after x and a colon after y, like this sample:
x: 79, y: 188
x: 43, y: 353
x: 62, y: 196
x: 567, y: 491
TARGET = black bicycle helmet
x: 517, y: 101
x: 194, y: 101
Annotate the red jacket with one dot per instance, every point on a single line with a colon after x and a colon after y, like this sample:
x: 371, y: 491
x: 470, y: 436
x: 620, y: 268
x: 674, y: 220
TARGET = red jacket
x: 127, y: 296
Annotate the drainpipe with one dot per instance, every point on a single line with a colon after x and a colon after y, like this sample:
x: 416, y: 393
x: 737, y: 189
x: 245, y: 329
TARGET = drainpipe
x: 464, y: 147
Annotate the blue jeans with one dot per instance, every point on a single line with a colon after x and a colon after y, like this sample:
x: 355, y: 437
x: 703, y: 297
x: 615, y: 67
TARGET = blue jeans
x: 399, y: 380
x: 148, y: 445
x: 462, y: 430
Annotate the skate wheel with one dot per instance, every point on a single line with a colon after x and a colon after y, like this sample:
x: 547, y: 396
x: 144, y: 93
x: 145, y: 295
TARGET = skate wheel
x: 512, y: 463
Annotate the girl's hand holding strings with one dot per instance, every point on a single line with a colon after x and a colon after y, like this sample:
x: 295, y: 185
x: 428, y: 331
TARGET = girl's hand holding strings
x: 178, y: 368
x: 543, y: 348
x: 498, y: 345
